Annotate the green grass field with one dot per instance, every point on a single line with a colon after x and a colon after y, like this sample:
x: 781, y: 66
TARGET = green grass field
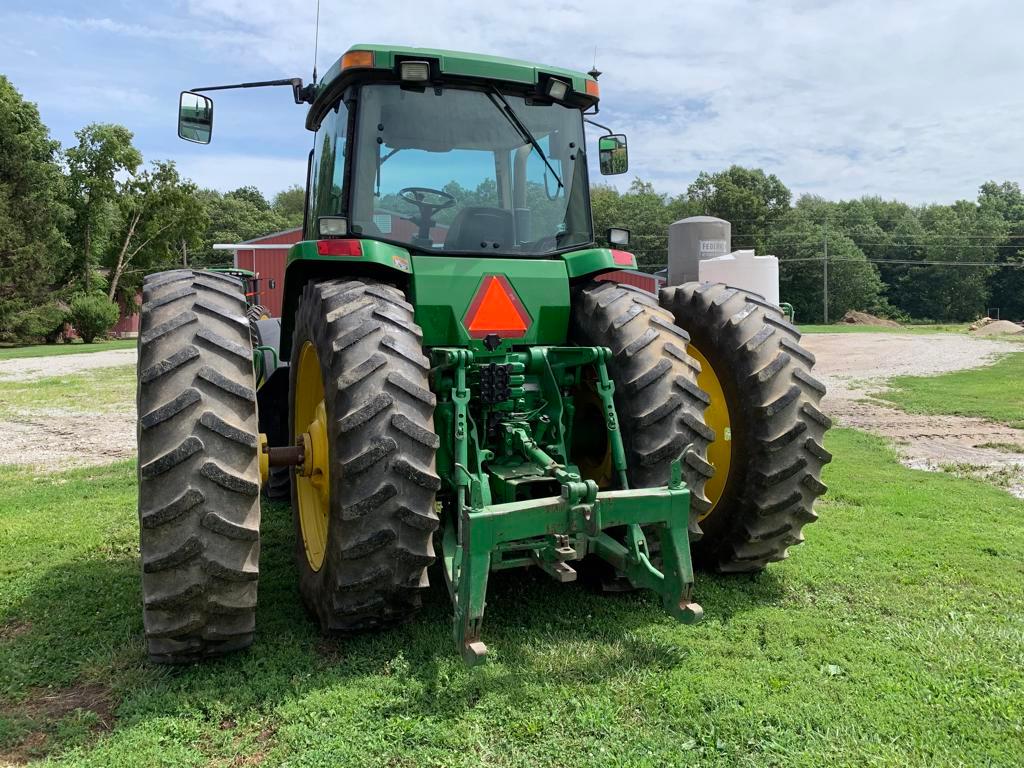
x: 995, y: 392
x: 48, y: 350
x: 99, y: 389
x: 894, y: 636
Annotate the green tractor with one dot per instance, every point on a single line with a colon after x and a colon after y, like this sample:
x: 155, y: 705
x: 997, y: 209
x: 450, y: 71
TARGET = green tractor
x: 457, y: 384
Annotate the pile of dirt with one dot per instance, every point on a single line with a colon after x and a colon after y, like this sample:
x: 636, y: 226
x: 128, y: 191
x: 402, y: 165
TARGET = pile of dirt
x: 853, y: 317
x: 996, y: 327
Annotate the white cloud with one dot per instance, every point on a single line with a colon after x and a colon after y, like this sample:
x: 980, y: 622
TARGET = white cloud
x: 909, y: 99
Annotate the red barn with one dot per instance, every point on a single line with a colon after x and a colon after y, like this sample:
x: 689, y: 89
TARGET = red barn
x: 268, y: 263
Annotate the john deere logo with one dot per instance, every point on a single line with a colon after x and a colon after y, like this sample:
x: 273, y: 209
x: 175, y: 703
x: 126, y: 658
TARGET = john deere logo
x: 496, y: 309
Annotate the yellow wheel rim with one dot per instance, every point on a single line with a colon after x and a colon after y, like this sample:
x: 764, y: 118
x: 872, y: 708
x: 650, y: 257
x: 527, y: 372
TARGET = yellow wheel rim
x: 717, y: 417
x: 593, y: 464
x: 312, y: 479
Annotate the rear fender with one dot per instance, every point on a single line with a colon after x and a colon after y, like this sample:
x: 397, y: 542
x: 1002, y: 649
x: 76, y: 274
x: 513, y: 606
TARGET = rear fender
x: 306, y: 263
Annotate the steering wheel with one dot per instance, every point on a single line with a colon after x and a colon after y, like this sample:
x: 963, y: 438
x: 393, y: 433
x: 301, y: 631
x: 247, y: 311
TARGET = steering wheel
x: 420, y: 197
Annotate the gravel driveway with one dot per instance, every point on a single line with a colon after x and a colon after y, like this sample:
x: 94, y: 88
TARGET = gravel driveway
x: 854, y: 365
x: 29, y: 368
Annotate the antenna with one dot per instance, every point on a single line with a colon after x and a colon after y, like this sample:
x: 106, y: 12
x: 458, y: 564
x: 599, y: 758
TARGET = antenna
x: 316, y: 39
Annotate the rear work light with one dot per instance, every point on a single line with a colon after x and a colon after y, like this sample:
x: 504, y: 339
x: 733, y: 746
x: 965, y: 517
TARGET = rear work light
x: 415, y: 71
x: 557, y: 89
x: 332, y: 226
x: 339, y: 247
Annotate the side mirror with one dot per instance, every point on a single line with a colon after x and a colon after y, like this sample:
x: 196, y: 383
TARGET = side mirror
x: 195, y: 117
x: 613, y: 155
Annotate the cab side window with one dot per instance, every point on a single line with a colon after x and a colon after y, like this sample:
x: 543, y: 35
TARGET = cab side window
x: 327, y: 172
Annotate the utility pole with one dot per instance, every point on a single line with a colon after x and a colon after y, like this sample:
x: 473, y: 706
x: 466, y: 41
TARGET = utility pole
x: 824, y: 291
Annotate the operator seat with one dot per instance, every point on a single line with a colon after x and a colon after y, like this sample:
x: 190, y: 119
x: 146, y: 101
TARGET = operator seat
x: 476, y: 228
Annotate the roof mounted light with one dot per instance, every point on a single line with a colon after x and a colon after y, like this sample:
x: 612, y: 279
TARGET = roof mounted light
x: 415, y: 71
x: 557, y: 89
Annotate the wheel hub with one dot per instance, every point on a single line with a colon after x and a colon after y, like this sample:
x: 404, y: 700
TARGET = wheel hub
x: 717, y: 417
x: 312, y: 476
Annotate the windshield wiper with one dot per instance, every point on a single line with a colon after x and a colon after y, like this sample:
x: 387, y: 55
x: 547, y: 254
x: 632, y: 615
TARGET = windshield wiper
x: 506, y: 109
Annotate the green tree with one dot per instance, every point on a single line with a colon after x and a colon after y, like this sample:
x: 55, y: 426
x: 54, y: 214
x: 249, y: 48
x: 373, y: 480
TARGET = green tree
x: 32, y: 212
x: 103, y: 151
x: 290, y: 204
x: 1006, y: 284
x: 233, y: 217
x: 645, y: 212
x: 753, y: 201
x: 798, y: 242
x: 251, y: 195
x: 956, y: 233
x: 161, y: 217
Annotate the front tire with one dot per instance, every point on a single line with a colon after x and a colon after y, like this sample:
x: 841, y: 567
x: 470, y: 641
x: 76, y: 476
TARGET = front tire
x: 199, y: 512
x: 363, y: 547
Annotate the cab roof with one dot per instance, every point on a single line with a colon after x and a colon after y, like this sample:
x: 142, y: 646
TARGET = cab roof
x: 446, y: 66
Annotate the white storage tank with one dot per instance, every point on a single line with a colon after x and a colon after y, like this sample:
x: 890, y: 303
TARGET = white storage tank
x: 742, y: 269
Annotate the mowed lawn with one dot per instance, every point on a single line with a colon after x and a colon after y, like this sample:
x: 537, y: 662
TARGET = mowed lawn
x: 894, y: 636
x: 75, y: 348
x: 995, y: 392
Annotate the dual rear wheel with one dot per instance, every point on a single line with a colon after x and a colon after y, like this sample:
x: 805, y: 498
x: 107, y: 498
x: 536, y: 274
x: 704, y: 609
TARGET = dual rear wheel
x: 720, y: 370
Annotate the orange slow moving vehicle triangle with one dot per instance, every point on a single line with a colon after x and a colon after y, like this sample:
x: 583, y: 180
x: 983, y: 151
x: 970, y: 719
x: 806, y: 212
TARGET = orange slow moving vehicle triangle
x: 496, y: 309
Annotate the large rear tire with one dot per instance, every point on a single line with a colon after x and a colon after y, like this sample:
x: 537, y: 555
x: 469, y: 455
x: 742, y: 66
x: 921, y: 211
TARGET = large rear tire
x: 363, y: 548
x: 199, y: 510
x: 768, y: 449
x: 659, y: 405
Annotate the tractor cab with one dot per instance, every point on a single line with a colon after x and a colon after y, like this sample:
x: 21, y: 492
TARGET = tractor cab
x: 448, y: 153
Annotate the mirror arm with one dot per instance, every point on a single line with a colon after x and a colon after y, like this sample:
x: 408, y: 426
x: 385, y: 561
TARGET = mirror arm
x: 301, y: 94
x: 603, y: 127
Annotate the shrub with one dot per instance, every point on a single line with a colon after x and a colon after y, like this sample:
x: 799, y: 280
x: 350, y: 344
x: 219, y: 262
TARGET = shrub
x: 42, y: 323
x: 93, y: 316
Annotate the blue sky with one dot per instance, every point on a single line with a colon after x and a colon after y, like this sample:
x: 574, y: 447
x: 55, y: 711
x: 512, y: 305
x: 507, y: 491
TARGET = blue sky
x: 914, y: 100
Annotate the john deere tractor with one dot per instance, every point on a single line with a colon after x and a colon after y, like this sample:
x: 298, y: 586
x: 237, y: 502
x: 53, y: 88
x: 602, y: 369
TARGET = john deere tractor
x: 457, y: 383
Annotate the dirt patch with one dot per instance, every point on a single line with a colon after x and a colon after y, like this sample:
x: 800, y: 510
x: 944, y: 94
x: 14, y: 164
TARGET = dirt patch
x: 31, y: 368
x: 853, y: 366
x: 14, y: 629
x: 45, y: 708
x: 853, y: 317
x: 50, y: 439
x: 62, y: 441
x: 997, y: 328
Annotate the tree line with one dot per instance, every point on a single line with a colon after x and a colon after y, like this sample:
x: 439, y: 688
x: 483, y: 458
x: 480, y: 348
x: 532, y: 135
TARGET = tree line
x: 81, y: 226
x: 927, y: 262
